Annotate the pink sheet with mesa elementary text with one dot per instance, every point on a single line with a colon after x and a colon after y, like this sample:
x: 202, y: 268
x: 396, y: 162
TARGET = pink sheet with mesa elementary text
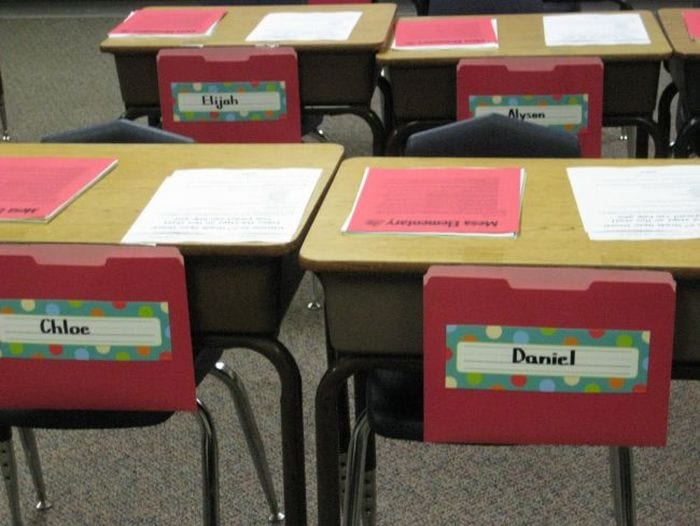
x: 453, y: 31
x: 438, y: 201
x: 37, y: 188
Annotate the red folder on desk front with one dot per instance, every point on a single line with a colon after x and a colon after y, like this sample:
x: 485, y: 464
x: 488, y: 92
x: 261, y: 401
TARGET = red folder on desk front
x: 94, y: 327
x: 547, y: 355
x: 566, y: 93
x: 229, y: 94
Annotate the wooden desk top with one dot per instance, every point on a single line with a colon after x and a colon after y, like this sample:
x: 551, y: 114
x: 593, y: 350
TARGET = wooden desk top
x: 551, y: 231
x: 674, y: 26
x: 105, y: 212
x: 523, y: 36
x: 371, y: 31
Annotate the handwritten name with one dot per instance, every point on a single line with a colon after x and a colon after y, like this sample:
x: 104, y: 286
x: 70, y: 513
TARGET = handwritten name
x: 520, y: 356
x: 515, y: 113
x: 219, y: 101
x: 49, y: 326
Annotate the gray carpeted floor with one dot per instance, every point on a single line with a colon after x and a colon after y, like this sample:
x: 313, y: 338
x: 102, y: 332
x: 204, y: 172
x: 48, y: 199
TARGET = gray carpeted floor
x: 56, y: 78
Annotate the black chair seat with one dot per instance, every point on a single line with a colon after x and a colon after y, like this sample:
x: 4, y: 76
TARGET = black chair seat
x: 395, y: 404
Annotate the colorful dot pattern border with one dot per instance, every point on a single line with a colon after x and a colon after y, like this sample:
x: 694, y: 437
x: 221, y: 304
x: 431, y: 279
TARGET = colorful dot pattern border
x: 226, y: 88
x: 546, y: 336
x: 476, y: 101
x: 132, y: 309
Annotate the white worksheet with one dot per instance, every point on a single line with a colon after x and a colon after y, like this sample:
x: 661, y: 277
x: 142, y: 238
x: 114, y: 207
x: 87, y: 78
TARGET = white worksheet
x: 226, y: 206
x: 277, y: 27
x: 595, y: 29
x: 645, y: 202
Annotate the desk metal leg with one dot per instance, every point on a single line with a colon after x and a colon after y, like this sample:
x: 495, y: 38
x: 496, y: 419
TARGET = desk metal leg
x: 646, y: 127
x: 681, y: 146
x: 210, y: 466
x: 401, y: 132
x: 664, y: 114
x: 327, y: 433
x: 292, y: 416
x: 364, y: 112
x: 622, y: 475
x: 151, y: 112
x: 3, y: 115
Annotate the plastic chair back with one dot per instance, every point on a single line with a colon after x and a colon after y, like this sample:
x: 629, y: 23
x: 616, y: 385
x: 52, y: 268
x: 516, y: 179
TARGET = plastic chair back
x: 493, y: 136
x: 117, y: 131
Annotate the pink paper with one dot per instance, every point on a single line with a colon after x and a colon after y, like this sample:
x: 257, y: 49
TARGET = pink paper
x: 438, y: 201
x: 169, y: 21
x: 37, y: 188
x: 444, y: 31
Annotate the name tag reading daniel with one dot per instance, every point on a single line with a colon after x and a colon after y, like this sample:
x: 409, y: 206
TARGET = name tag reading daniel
x: 547, y: 359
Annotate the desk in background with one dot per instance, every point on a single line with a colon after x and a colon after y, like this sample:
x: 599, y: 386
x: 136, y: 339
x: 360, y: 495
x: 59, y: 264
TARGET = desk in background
x: 335, y: 77
x: 260, y: 279
x: 423, y: 83
x: 373, y: 284
x: 684, y: 66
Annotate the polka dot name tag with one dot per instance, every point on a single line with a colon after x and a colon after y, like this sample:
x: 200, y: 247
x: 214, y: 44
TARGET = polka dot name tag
x: 122, y: 331
x: 547, y: 355
x: 546, y: 359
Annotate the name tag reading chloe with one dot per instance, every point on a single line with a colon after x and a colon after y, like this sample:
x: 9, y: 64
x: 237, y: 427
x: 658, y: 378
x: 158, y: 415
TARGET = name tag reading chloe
x: 60, y: 329
x: 122, y: 331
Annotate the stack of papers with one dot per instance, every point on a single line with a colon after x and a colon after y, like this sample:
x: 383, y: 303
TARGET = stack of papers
x: 181, y: 22
x: 595, y: 30
x: 650, y: 202
x: 438, y: 201
x: 293, y: 27
x: 223, y: 206
x: 38, y: 188
x: 445, y: 33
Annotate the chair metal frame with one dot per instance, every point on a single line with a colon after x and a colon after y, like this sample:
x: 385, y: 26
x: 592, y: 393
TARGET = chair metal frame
x: 209, y: 453
x: 357, y: 510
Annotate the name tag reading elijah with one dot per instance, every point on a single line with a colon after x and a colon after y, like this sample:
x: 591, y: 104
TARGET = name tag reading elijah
x: 85, y: 330
x: 547, y: 359
x: 228, y: 101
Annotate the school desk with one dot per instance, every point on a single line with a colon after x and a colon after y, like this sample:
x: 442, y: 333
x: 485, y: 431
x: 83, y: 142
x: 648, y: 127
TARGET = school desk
x: 373, y: 283
x: 238, y: 294
x: 335, y: 77
x: 422, y: 83
x: 684, y: 66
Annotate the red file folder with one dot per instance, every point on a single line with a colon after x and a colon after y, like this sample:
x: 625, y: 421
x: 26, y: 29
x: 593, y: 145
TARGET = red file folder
x: 547, y: 355
x: 562, y: 92
x: 94, y: 327
x: 228, y: 94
